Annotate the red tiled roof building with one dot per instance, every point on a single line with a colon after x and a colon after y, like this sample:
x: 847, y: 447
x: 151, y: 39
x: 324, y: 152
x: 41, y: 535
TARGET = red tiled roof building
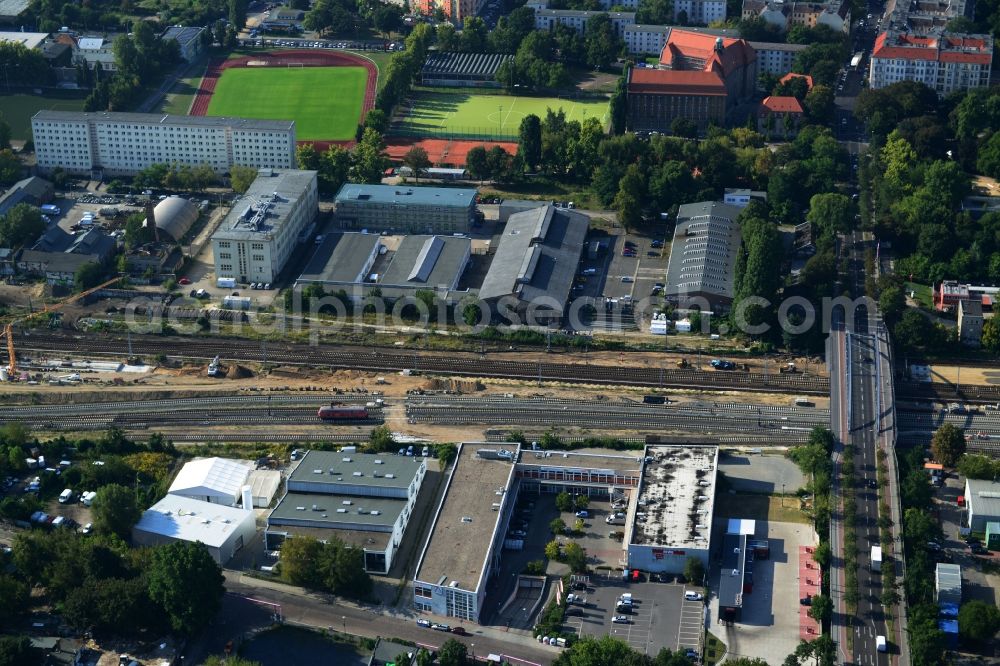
x: 779, y: 116
x: 945, y: 63
x: 699, y: 78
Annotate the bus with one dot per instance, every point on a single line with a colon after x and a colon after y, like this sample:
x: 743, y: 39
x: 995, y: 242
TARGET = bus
x: 856, y: 60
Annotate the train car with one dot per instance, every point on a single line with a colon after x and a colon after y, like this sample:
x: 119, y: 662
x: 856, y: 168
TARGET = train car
x: 342, y: 413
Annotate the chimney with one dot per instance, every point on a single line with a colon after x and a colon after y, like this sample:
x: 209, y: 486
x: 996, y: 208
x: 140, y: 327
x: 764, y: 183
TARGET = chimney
x: 719, y: 44
x: 151, y: 220
x: 247, y: 498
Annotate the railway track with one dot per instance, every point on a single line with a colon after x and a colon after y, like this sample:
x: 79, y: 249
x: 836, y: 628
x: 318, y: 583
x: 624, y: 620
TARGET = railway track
x: 615, y: 415
x: 390, y: 360
x: 975, y: 394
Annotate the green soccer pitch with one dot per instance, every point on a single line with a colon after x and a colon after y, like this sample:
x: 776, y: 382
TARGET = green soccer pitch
x: 324, y: 102
x: 487, y: 116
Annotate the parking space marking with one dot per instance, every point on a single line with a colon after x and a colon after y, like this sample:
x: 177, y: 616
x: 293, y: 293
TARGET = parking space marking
x: 689, y: 629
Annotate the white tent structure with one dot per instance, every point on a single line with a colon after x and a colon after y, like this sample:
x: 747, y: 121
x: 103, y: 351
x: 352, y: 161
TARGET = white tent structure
x: 215, y: 480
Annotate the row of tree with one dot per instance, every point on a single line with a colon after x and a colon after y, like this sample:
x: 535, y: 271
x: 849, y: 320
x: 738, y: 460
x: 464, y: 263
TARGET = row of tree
x: 329, y: 565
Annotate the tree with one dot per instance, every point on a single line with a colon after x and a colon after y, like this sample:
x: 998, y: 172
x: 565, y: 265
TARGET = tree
x: 370, y: 161
x: 557, y: 526
x: 238, y: 13
x: 552, y: 550
x: 564, y: 501
x: 10, y: 167
x: 948, y: 444
x: 381, y: 440
x: 821, y: 608
x: 655, y: 12
x: 452, y: 653
x: 991, y: 335
x: 475, y: 162
x: 581, y: 502
x: 575, y: 556
x: 241, y: 177
x: 116, y: 510
x: 377, y: 120
x: 16, y: 596
x: 530, y: 141
x: 605, y: 651
x: 819, y: 104
x: 416, y: 158
x: 299, y: 561
x: 388, y: 18
x: 5, y: 135
x: 978, y: 466
x: 578, y: 525
x: 988, y: 160
x: 21, y: 225
x: 627, y: 202
x: 829, y: 215
x: 601, y: 40
x: 187, y: 584
x: 746, y: 661
x: 17, y: 651
x: 978, y: 621
x: 694, y: 571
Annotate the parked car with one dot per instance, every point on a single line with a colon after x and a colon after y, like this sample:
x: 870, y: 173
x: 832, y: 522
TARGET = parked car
x: 806, y: 601
x: 583, y: 514
x: 621, y: 619
x: 426, y: 624
x: 693, y: 596
x: 460, y: 631
x: 440, y: 627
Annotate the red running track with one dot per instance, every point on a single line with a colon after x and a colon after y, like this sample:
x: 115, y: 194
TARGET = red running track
x: 282, y: 59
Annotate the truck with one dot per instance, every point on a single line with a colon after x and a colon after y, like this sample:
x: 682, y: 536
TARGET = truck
x: 876, y: 558
x: 880, y: 644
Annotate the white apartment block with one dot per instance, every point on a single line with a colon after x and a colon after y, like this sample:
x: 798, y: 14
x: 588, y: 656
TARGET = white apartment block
x: 547, y: 19
x: 122, y: 144
x: 774, y: 58
x: 645, y: 39
x: 700, y: 12
x: 258, y: 235
x: 946, y: 63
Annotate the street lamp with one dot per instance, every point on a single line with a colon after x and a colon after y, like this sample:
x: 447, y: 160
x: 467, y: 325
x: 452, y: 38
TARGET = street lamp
x: 343, y: 618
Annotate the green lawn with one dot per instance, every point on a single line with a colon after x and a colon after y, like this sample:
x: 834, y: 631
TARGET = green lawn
x: 178, y: 100
x: 18, y: 109
x: 922, y: 294
x: 324, y: 102
x: 461, y: 114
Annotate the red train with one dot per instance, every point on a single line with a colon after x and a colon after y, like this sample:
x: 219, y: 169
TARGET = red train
x: 342, y: 413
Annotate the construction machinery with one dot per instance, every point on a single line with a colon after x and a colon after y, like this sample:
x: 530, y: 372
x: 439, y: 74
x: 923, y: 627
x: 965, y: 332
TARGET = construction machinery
x: 8, y: 329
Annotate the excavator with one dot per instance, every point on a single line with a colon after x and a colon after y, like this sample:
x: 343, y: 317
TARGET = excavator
x: 8, y: 329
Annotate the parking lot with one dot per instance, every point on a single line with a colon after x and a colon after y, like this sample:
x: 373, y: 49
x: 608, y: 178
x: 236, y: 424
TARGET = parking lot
x: 661, y: 616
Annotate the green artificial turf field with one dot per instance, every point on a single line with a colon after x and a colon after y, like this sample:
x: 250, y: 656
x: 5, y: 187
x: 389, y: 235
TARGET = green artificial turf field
x: 487, y: 116
x: 324, y: 102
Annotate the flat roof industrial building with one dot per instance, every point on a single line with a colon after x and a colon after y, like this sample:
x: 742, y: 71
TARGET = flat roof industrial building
x: 404, y: 208
x: 355, y: 262
x: 463, y: 549
x: 367, y: 498
x: 671, y: 519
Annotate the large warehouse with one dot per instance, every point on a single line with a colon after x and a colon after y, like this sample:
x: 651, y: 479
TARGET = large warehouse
x: 366, y: 500
x: 535, y: 264
x: 671, y: 519
x: 982, y: 499
x: 215, y: 480
x: 702, y: 260
x: 463, y: 70
x: 224, y: 530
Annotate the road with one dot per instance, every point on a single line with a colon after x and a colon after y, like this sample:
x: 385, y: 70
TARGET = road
x: 314, y: 610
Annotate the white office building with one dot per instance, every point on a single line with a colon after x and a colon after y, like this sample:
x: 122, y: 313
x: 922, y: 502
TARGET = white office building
x: 258, y: 235
x: 122, y: 144
x: 643, y: 39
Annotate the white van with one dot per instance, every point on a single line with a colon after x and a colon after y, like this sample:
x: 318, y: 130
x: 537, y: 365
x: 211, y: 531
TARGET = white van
x: 692, y: 596
x: 65, y: 496
x: 880, y: 644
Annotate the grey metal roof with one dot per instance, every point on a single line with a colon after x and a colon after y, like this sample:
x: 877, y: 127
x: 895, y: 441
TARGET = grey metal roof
x: 332, y: 468
x: 466, y: 64
x: 732, y: 570
x: 174, y: 216
x: 428, y: 261
x: 400, y: 195
x: 972, y: 307
x: 13, y: 7
x: 265, y: 207
x: 33, y: 190
x: 335, y: 511
x: 183, y: 35
x: 948, y: 577
x: 341, y: 257
x: 983, y: 498
x: 703, y: 251
x: 164, y: 119
x: 775, y: 46
x: 57, y: 262
x: 537, y: 255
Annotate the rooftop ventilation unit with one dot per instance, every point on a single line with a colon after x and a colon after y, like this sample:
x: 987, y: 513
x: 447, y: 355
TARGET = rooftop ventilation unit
x: 317, y: 471
x: 358, y: 474
x: 390, y: 476
x: 341, y: 510
x: 466, y: 519
x: 347, y: 502
x: 300, y: 508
